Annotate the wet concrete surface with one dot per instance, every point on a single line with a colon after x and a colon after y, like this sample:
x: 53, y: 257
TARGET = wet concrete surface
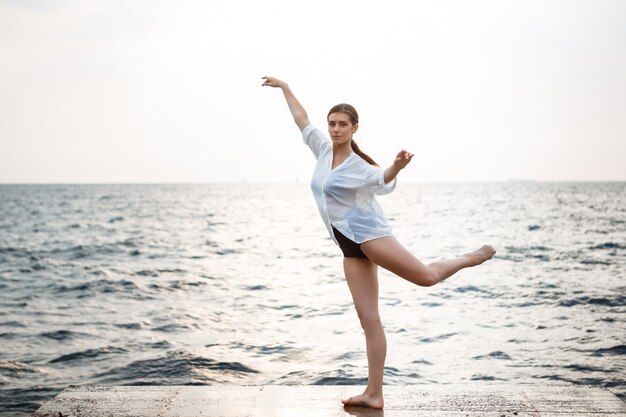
x: 324, y: 401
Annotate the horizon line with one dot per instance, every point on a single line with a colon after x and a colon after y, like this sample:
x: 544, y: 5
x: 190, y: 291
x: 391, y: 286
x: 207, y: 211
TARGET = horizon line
x: 509, y: 181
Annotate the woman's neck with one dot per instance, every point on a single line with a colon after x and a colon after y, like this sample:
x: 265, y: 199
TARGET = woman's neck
x: 341, y: 153
x: 343, y: 150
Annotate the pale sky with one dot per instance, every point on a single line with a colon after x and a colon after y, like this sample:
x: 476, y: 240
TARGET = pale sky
x: 170, y: 91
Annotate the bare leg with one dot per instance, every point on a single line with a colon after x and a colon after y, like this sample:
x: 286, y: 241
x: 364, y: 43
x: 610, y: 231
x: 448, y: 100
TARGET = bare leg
x: 362, y: 278
x: 391, y: 255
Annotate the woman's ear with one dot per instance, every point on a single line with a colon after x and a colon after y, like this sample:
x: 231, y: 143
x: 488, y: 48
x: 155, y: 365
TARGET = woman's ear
x: 355, y: 127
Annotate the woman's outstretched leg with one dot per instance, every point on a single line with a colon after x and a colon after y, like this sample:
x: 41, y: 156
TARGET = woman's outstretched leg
x: 391, y: 255
x: 362, y: 278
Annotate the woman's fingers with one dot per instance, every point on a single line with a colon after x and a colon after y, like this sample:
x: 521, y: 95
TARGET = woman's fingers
x: 404, y: 157
x: 270, y: 81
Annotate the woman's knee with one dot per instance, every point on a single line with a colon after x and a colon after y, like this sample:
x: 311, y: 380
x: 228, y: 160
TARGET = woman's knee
x: 369, y: 320
x: 426, y: 278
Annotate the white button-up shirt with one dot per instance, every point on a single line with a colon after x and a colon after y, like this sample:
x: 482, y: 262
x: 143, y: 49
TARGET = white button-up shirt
x: 345, y: 195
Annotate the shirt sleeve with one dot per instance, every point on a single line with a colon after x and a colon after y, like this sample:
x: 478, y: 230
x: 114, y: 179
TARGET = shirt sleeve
x: 375, y: 179
x: 315, y: 139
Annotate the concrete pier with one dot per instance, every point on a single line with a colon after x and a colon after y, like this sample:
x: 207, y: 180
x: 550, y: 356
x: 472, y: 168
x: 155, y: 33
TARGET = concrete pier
x: 324, y: 401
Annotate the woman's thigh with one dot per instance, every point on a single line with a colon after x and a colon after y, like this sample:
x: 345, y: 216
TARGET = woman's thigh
x: 362, y: 277
x: 391, y: 255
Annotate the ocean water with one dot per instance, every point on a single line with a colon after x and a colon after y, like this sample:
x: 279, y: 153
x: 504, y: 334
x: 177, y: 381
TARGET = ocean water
x: 239, y: 284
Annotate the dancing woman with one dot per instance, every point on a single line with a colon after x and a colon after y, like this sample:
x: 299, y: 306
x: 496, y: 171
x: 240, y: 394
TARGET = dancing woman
x: 344, y: 184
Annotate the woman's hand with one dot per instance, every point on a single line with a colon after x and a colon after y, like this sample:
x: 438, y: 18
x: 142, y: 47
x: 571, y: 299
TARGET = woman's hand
x: 402, y: 159
x: 273, y: 82
x: 297, y: 111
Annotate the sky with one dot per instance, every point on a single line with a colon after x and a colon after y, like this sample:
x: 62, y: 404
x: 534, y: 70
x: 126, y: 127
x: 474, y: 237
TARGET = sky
x: 118, y: 91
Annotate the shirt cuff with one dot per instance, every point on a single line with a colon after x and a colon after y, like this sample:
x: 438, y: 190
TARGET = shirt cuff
x: 381, y: 180
x: 385, y: 188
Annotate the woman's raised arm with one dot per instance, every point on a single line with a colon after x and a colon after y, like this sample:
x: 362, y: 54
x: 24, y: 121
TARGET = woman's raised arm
x: 297, y: 111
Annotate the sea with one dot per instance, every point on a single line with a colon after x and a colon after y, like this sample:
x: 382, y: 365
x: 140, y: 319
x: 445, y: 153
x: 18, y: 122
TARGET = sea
x: 240, y: 284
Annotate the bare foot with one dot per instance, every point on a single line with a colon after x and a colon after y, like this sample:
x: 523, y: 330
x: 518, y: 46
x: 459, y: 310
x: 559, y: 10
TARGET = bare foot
x: 365, y: 400
x: 481, y: 255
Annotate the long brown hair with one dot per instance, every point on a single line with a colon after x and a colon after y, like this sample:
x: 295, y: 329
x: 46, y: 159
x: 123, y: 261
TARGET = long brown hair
x: 354, y: 119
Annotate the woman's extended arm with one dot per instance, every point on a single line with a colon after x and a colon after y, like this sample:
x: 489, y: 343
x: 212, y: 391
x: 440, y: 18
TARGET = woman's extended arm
x: 402, y: 160
x: 297, y: 111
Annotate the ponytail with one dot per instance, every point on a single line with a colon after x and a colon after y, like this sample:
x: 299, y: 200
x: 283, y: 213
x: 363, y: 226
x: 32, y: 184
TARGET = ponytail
x: 354, y: 118
x: 362, y: 154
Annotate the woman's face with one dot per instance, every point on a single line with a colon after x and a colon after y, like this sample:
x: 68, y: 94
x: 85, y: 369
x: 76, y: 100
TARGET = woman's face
x: 340, y: 128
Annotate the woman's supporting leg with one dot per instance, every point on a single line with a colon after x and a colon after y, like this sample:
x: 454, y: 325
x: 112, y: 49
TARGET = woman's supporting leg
x: 391, y: 255
x: 362, y: 278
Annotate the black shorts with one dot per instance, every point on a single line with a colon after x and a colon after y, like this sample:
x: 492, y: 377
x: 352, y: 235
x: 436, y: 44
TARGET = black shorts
x: 349, y: 248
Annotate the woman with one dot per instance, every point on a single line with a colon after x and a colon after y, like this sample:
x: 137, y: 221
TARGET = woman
x: 344, y: 183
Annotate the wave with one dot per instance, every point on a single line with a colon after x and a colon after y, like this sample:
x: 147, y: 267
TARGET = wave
x: 519, y: 253
x: 494, y: 355
x: 15, y: 368
x: 595, y: 381
x: 175, y: 368
x: 173, y: 327
x: 131, y: 326
x: 9, y: 249
x: 437, y: 338
x: 594, y: 262
x: 255, y: 288
x: 13, y: 323
x: 339, y: 380
x: 261, y: 350
x: 25, y: 401
x: 525, y: 249
x: 158, y: 271
x: 226, y: 251
x: 91, y: 354
x: 97, y: 286
x: 184, y: 285
x: 618, y: 350
x: 475, y: 289
x: 615, y: 301
x: 585, y: 368
x: 63, y: 335
x: 74, y: 252
x: 608, y: 245
x: 482, y: 377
